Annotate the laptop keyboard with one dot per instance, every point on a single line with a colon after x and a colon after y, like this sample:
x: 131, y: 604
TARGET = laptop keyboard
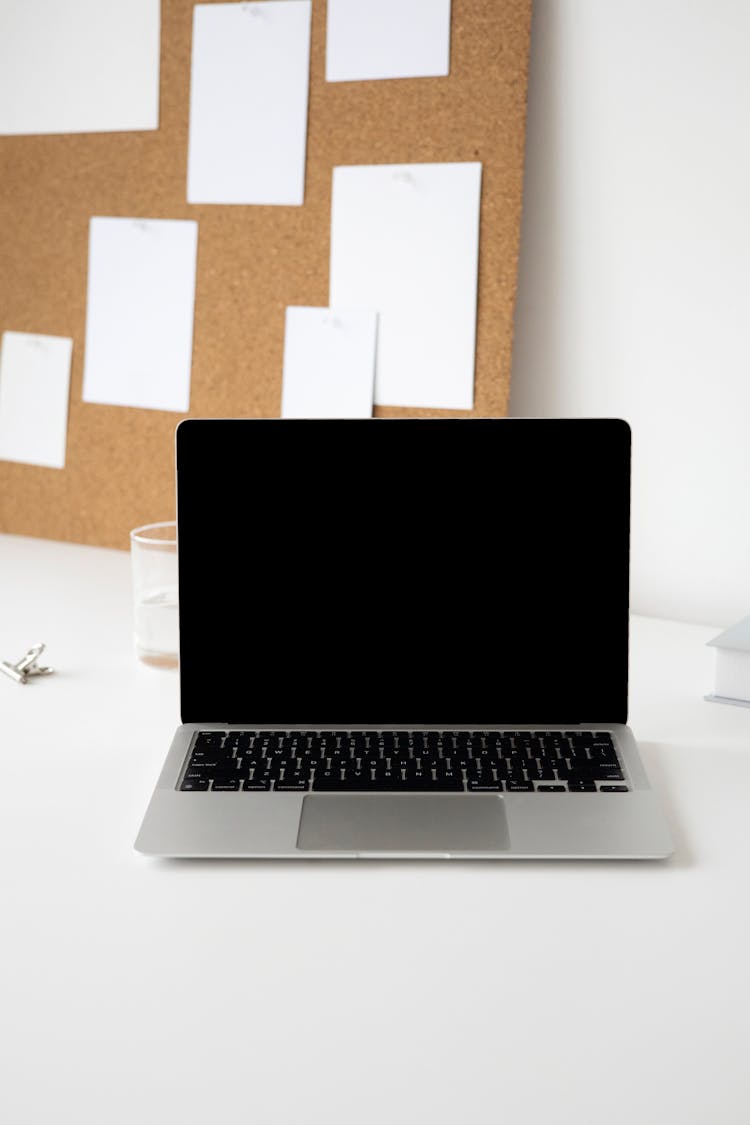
x: 403, y: 761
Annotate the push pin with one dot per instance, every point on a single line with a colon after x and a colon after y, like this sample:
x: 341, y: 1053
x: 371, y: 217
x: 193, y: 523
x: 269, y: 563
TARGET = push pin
x: 26, y: 666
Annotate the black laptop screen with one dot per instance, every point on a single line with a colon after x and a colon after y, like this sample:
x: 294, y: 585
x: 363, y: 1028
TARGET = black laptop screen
x: 403, y: 571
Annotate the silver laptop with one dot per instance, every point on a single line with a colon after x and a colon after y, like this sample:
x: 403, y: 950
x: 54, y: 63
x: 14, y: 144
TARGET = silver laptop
x: 404, y: 638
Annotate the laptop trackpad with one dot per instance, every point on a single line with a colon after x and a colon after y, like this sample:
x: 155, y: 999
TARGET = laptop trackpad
x: 402, y: 823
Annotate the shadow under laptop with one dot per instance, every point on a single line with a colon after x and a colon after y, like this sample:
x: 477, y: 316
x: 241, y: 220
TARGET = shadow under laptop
x: 654, y: 755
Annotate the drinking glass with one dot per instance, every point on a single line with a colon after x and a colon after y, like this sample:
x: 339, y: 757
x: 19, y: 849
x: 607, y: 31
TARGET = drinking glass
x: 153, y: 550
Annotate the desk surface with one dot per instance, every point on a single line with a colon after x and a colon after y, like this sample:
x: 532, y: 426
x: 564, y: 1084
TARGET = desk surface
x: 144, y: 992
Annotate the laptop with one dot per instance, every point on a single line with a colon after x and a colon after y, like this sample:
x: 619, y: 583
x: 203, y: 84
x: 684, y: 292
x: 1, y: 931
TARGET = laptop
x: 404, y: 638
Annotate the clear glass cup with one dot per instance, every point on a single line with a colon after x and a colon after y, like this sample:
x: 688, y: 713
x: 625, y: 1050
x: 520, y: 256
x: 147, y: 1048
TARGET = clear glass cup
x: 153, y: 551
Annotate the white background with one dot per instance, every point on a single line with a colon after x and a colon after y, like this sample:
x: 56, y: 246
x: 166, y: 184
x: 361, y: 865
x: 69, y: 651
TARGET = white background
x: 634, y: 289
x: 143, y: 992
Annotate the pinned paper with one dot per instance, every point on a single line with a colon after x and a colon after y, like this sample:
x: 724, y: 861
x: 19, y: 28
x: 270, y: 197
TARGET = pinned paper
x: 369, y: 39
x: 79, y: 66
x: 329, y: 363
x: 405, y: 241
x: 248, y: 102
x: 34, y: 392
x: 139, y: 320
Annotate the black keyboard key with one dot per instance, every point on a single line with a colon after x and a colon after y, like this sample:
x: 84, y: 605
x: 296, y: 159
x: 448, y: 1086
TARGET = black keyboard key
x: 240, y: 740
x: 262, y: 773
x: 540, y: 773
x: 339, y: 755
x: 515, y: 753
x: 285, y: 786
x: 582, y: 787
x: 329, y: 784
x: 550, y: 788
x: 420, y: 779
x: 513, y: 770
x: 358, y: 777
x: 448, y: 783
x: 370, y: 754
x: 276, y: 752
x: 426, y: 759
x: 261, y: 785
x: 444, y: 772
x: 221, y: 775
x: 608, y: 774
x: 207, y: 762
x: 226, y: 786
x: 386, y: 773
x: 276, y: 766
x: 209, y: 738
x: 613, y: 789
x: 484, y: 786
x: 194, y: 785
x: 311, y: 756
x: 514, y: 786
x: 291, y: 775
x: 577, y: 753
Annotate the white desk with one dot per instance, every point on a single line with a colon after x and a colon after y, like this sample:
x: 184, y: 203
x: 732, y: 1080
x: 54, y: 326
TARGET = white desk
x: 139, y: 992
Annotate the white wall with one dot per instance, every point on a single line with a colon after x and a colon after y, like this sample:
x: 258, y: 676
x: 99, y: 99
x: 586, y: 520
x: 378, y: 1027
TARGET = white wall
x: 634, y: 288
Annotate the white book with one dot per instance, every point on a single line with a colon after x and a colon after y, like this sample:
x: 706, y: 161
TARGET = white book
x: 732, y: 674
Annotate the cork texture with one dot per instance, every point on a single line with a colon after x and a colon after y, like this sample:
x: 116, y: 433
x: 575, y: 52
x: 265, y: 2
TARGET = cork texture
x: 252, y: 261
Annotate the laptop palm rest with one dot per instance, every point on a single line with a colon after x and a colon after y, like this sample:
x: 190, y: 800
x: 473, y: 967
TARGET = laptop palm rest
x: 402, y: 823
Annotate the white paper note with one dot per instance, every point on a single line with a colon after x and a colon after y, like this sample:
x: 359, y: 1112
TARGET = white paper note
x: 79, y: 66
x: 34, y: 391
x: 139, y: 319
x: 329, y: 363
x: 405, y: 241
x: 248, y: 102
x: 369, y: 39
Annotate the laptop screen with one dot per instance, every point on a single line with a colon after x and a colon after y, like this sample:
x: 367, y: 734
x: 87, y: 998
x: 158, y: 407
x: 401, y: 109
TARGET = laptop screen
x: 426, y: 572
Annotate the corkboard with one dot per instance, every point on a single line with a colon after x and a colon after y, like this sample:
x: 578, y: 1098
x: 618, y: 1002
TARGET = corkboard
x: 252, y: 261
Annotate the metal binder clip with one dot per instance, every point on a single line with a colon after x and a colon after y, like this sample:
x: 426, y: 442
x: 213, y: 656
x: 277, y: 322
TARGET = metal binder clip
x: 26, y: 666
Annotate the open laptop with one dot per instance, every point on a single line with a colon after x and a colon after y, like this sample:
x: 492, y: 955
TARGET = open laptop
x: 404, y: 638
